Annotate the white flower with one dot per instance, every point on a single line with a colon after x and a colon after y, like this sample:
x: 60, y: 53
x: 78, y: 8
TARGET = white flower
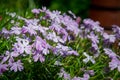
x: 70, y: 12
x: 52, y: 36
x: 58, y: 63
x: 88, y: 58
x: 22, y: 46
x: 119, y: 44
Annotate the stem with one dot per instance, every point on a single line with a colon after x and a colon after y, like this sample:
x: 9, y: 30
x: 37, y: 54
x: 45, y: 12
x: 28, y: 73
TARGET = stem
x: 114, y: 78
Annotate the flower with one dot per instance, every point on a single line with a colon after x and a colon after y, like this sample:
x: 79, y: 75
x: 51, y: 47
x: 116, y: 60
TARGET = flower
x: 36, y: 11
x: 3, y: 67
x: 94, y: 47
x: 110, y: 53
x: 15, y: 30
x: 31, y: 27
x: 116, y: 30
x: 64, y: 74
x: 38, y: 56
x: 64, y: 34
x: 54, y: 16
x: 70, y: 24
x: 52, y: 36
x: 110, y: 38
x: 88, y: 58
x: 73, y: 53
x: 16, y: 66
x: 56, y: 27
x: 76, y: 78
x: 11, y: 14
x: 91, y: 72
x: 93, y: 37
x: 9, y: 55
x: 85, y: 77
x: 22, y: 46
x: 64, y: 50
x: 91, y: 25
x: 5, y: 31
x: 59, y: 39
x: 41, y: 45
x: 78, y: 20
x: 70, y: 12
x: 58, y: 63
x: 115, y: 63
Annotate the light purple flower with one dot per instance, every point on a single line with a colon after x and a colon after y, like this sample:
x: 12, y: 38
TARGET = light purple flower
x: 76, y: 78
x: 54, y: 16
x: 9, y: 55
x: 41, y: 45
x: 56, y: 27
x: 94, y: 47
x: 5, y: 31
x: 73, y: 53
x: 32, y: 22
x: 64, y: 74
x: 91, y: 25
x: 43, y: 30
x: 115, y: 63
x: 94, y: 40
x: 93, y: 37
x: 110, y: 53
x: 29, y: 29
x: 116, y: 30
x: 91, y: 72
x: 110, y: 38
x: 3, y: 68
x: 64, y: 50
x: 52, y: 36
x: 85, y: 77
x: 15, y: 54
x: 71, y: 25
x: 15, y: 30
x: 22, y: 46
x: 39, y: 56
x: 16, y: 66
x: 78, y: 20
x: 6, y: 57
x: 36, y: 11
x: 44, y: 9
x: 31, y: 26
x: 64, y: 34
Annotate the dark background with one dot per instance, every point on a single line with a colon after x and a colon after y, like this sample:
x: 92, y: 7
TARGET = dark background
x: 107, y: 12
x: 79, y: 7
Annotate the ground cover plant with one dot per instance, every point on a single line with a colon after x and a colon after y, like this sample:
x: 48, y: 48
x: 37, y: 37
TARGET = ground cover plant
x: 52, y: 45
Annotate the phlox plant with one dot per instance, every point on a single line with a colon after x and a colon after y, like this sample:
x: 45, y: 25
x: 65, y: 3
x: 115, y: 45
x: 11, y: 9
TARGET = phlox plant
x: 50, y: 45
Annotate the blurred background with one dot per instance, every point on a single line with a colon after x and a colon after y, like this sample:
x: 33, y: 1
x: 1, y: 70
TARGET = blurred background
x: 79, y: 7
x: 107, y: 12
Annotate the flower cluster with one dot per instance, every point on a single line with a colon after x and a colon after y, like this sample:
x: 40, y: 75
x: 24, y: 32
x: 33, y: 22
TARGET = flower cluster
x: 66, y: 76
x: 33, y: 39
x: 60, y: 35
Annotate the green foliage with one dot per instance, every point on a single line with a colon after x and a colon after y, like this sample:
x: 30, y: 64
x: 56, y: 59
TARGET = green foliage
x: 18, y: 6
x: 79, y: 7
